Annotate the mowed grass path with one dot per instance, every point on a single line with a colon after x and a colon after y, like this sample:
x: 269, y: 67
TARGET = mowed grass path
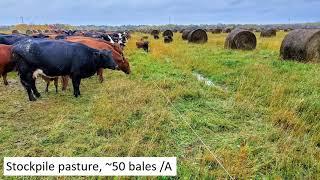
x: 260, y: 118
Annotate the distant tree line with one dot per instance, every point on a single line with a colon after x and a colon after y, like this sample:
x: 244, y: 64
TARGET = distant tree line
x: 24, y: 27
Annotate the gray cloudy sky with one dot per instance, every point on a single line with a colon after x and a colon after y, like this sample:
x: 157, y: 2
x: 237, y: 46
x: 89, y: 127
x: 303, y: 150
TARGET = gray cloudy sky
x: 119, y: 12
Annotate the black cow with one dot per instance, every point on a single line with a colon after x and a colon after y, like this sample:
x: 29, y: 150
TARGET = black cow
x: 52, y: 58
x: 12, y: 39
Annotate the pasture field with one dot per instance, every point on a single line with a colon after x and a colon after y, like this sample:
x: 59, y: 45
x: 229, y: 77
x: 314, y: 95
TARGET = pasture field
x: 259, y: 116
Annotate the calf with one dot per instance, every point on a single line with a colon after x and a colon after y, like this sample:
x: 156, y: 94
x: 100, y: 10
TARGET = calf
x: 143, y: 45
x: 57, y: 58
x: 6, y: 62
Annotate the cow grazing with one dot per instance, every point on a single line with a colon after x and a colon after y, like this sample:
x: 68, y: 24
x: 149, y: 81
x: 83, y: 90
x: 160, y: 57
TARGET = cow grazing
x: 121, y: 61
x: 168, y: 39
x: 143, y: 45
x: 6, y: 62
x: 52, y: 58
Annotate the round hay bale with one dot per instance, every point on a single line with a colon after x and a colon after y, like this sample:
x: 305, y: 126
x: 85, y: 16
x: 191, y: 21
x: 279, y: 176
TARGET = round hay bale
x: 156, y: 36
x: 46, y: 31
x: 39, y: 31
x: 34, y: 31
x: 216, y: 31
x: 268, y: 33
x: 155, y: 32
x: 29, y: 32
x: 198, y: 36
x: 241, y: 39
x: 302, y: 45
x: 15, y: 32
x: 185, y: 34
x: 181, y: 31
x: 167, y: 39
x: 167, y: 33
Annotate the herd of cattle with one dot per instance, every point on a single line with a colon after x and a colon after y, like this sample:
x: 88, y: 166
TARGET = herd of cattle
x: 68, y: 54
x: 77, y: 55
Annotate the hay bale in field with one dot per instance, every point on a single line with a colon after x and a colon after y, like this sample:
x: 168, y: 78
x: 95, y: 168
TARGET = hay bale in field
x: 39, y: 31
x: 216, y: 31
x: 155, y: 32
x: 156, y: 36
x: 29, y: 32
x: 268, y: 33
x: 302, y: 45
x: 167, y: 33
x: 198, y: 36
x: 181, y: 31
x: 241, y: 39
x: 15, y: 31
x: 167, y: 39
x: 34, y: 31
x: 185, y: 34
x: 46, y: 31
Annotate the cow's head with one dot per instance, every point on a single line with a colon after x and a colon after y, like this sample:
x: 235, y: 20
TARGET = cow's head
x: 103, y: 58
x: 124, y: 65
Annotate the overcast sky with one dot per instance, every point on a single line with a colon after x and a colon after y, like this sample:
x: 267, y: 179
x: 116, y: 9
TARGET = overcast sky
x: 121, y: 12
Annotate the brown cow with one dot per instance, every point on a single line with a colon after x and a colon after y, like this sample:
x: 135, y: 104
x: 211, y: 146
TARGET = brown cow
x: 6, y: 62
x: 101, y: 45
x: 116, y: 46
x: 143, y: 45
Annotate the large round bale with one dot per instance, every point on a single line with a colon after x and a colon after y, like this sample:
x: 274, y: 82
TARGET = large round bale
x: 302, y: 45
x: 241, y: 39
x: 216, y: 31
x: 198, y: 36
x: 185, y: 34
x: 268, y: 33
x: 29, y: 32
x: 46, y: 31
x: 15, y: 31
x: 167, y: 33
x: 155, y: 32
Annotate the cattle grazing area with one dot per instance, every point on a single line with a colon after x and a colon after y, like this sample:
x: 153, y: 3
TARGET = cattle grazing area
x: 257, y: 113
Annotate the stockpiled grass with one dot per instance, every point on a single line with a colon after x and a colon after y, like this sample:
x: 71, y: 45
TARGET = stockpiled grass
x: 260, y: 116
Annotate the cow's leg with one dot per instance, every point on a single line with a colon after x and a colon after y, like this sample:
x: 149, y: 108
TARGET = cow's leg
x: 47, y: 87
x: 25, y: 81
x: 100, y: 75
x: 56, y: 80
x: 64, y: 81
x: 26, y: 78
x: 34, y: 88
x: 4, y: 76
x: 76, y: 86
